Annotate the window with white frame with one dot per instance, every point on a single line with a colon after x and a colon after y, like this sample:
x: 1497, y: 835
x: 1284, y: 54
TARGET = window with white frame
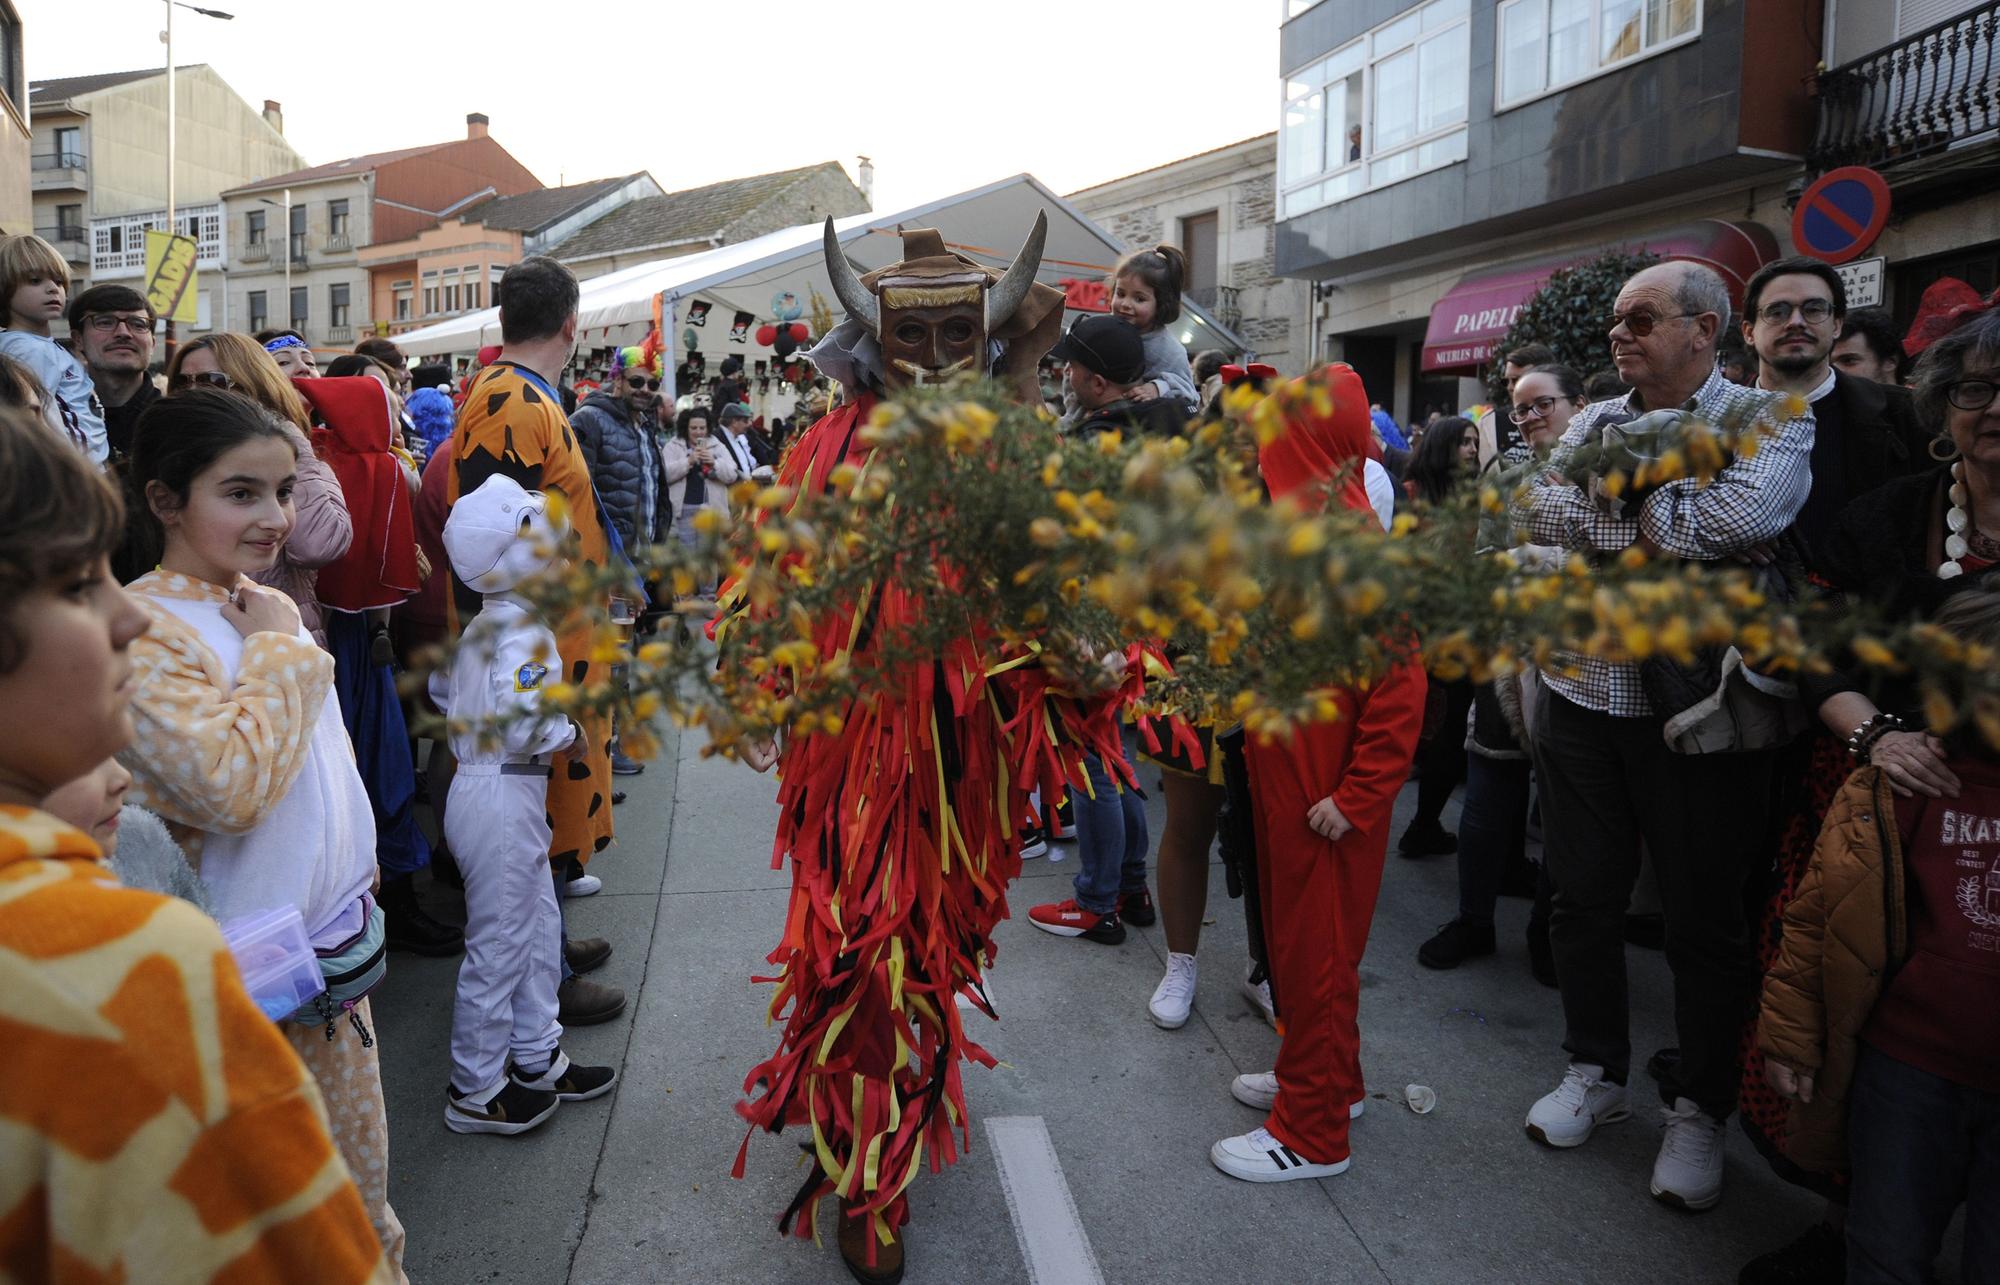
x: 1379, y: 109
x: 1547, y: 44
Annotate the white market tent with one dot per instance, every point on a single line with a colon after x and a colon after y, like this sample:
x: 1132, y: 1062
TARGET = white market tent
x: 987, y: 224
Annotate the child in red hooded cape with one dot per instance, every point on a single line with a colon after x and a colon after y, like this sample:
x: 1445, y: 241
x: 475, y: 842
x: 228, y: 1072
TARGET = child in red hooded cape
x: 1323, y: 800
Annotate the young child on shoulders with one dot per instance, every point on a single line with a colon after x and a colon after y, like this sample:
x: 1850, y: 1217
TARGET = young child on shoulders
x: 1878, y: 1016
x: 34, y: 282
x: 1146, y: 293
x: 509, y: 1072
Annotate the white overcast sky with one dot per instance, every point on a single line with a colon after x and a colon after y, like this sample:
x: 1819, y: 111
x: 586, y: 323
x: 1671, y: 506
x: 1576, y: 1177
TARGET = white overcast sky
x: 943, y: 94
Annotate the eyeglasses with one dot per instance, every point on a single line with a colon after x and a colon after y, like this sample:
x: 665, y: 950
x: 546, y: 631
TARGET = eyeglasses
x: 1814, y: 311
x: 1641, y: 323
x: 105, y: 323
x: 1971, y: 394
x: 207, y: 379
x: 640, y: 381
x: 1536, y: 409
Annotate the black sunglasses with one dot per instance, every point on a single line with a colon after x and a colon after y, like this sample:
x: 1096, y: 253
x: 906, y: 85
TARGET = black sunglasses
x: 640, y: 381
x: 207, y: 378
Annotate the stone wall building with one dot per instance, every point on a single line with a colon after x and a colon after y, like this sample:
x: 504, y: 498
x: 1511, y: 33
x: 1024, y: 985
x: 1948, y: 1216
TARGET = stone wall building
x: 1217, y: 206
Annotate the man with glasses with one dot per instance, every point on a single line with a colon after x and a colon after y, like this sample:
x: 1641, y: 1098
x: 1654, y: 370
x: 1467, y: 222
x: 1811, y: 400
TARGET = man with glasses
x: 112, y: 327
x: 1609, y: 779
x: 1864, y: 433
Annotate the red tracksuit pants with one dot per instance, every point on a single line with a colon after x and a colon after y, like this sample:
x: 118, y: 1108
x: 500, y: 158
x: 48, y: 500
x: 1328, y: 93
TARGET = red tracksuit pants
x: 1319, y: 897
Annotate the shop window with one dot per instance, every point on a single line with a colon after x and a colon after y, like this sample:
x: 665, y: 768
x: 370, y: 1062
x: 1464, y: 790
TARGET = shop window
x: 1378, y: 110
x: 1545, y: 45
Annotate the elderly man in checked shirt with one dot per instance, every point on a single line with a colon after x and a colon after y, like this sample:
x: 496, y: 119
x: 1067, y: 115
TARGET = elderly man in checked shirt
x: 1609, y: 780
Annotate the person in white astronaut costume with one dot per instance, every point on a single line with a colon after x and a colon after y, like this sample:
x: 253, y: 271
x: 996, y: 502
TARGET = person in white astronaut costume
x: 509, y: 1072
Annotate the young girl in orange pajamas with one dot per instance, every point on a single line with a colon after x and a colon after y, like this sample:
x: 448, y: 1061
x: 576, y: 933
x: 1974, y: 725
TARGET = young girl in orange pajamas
x: 1323, y: 801
x: 239, y: 743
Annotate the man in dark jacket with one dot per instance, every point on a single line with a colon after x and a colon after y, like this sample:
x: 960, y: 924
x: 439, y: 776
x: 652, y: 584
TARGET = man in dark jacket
x: 1864, y: 433
x: 614, y: 428
x: 1107, y: 359
x: 112, y: 327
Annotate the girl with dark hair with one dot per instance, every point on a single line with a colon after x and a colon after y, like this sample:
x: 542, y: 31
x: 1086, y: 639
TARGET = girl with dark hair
x: 1146, y: 291
x: 699, y: 474
x: 239, y: 735
x: 1442, y: 461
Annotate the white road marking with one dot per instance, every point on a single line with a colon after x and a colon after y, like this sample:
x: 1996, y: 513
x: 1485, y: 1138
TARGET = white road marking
x: 1053, y: 1243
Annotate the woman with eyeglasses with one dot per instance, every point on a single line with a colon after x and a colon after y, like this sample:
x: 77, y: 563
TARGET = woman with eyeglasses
x: 322, y: 531
x: 1493, y: 823
x: 1903, y: 549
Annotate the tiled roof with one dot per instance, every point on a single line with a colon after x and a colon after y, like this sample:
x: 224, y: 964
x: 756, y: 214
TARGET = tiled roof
x: 67, y: 87
x: 533, y: 211
x: 695, y: 214
x: 337, y: 169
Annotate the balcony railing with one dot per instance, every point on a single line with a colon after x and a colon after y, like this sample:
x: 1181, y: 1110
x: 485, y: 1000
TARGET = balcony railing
x: 339, y: 334
x: 69, y: 239
x: 57, y: 161
x: 339, y: 243
x: 1922, y: 95
x: 1218, y: 302
x: 257, y: 252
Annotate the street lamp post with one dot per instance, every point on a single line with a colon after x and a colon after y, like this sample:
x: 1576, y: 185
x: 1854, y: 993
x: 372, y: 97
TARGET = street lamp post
x: 167, y: 38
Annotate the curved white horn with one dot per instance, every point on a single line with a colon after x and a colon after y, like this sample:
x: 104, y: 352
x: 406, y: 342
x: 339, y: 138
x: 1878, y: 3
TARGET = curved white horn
x: 861, y: 305
x: 1008, y: 292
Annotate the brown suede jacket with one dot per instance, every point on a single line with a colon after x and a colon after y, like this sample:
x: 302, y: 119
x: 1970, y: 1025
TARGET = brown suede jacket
x: 1845, y: 931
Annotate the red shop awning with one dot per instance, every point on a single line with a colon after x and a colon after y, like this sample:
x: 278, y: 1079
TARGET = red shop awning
x: 1476, y: 312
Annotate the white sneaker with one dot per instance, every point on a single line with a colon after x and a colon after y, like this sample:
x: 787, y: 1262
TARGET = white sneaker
x: 1259, y: 996
x: 1256, y: 1156
x: 582, y: 886
x: 1584, y: 1100
x: 1259, y: 1089
x: 1174, y: 996
x: 1688, y: 1172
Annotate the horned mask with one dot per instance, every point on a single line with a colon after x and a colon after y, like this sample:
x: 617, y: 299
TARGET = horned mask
x: 935, y: 313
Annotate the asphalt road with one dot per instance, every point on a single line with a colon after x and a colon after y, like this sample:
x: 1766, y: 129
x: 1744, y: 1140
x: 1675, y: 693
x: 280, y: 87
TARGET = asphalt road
x: 1089, y: 1157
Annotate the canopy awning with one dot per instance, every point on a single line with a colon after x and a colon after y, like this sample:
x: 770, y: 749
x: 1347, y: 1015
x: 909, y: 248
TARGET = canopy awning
x: 987, y: 224
x: 1475, y: 313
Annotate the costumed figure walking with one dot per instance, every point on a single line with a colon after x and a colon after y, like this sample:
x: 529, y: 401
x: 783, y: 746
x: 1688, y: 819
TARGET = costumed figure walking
x: 903, y: 826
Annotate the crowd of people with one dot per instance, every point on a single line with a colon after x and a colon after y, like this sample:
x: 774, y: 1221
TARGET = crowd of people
x: 207, y: 590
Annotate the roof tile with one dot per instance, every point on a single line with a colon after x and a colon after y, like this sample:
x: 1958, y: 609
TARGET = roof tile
x: 695, y: 214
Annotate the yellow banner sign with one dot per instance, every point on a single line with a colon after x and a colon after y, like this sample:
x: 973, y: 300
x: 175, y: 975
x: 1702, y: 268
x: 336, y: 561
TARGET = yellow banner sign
x: 170, y: 276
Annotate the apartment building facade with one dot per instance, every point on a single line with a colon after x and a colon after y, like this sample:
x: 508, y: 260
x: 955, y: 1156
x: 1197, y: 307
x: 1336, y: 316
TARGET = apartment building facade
x: 296, y: 241
x: 99, y: 175
x: 1438, y: 160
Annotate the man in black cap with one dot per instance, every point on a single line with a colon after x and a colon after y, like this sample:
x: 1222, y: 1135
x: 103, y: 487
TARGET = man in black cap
x: 1107, y: 358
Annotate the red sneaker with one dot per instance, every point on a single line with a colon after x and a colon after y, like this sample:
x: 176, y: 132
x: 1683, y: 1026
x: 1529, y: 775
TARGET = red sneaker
x: 1068, y: 919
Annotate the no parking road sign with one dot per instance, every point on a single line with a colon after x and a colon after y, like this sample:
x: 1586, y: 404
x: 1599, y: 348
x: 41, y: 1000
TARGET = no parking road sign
x: 1841, y: 214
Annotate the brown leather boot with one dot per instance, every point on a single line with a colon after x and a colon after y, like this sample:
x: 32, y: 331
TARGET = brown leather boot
x: 855, y: 1237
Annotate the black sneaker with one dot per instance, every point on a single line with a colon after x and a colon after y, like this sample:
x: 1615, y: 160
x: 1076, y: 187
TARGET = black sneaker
x: 1136, y: 908
x: 566, y: 1080
x: 1034, y: 843
x: 1432, y: 840
x: 1062, y: 820
x: 1456, y: 942
x: 514, y: 1109
x: 406, y: 926
x: 1819, y: 1257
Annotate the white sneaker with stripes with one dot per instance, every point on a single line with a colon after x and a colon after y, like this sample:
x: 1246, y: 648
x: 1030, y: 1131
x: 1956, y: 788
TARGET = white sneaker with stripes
x: 1256, y: 1156
x: 1259, y: 1089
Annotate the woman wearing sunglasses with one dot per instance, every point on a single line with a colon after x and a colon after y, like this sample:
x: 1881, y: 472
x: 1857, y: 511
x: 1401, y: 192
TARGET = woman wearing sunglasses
x: 322, y: 530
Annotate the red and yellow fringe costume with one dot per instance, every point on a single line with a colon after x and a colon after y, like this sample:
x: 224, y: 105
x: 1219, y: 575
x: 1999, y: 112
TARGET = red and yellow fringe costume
x: 902, y: 830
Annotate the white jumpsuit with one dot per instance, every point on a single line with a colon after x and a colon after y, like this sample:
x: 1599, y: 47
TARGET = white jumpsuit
x: 498, y: 828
